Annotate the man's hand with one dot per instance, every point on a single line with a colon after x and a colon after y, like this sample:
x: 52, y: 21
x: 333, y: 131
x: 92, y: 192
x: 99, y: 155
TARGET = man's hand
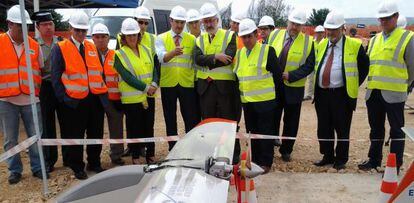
x: 177, y: 51
x: 285, y: 76
x: 223, y: 58
x: 151, y: 90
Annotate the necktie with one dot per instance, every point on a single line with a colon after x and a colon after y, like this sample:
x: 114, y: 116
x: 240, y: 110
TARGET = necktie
x: 326, y: 77
x: 177, y: 40
x: 82, y: 51
x: 284, y: 54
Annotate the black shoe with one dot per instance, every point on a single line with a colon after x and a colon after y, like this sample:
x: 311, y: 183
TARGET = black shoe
x: 368, y: 165
x: 39, y: 175
x: 14, y: 178
x: 81, y: 175
x: 286, y: 157
x: 339, y: 166
x: 324, y: 162
x: 150, y: 160
x: 277, y: 143
x: 50, y: 169
x: 96, y: 169
x: 118, y: 162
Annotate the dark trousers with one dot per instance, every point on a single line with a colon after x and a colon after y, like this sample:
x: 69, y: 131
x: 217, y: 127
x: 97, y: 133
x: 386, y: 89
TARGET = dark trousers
x: 378, y: 108
x: 260, y: 118
x: 291, y: 117
x: 140, y: 124
x: 188, y: 105
x: 87, y: 117
x: 334, y: 115
x: 50, y: 107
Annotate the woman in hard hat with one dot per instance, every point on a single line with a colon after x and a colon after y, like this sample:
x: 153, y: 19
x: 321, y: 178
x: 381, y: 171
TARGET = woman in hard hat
x: 139, y: 80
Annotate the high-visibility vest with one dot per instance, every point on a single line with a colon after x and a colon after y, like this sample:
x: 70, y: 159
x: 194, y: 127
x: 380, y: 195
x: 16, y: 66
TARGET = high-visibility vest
x: 387, y: 70
x: 81, y: 76
x: 141, y: 67
x: 147, y: 39
x: 179, y: 70
x: 239, y: 42
x: 350, y: 57
x: 297, y: 55
x: 14, y: 79
x: 111, y: 76
x: 217, y: 45
x: 255, y: 82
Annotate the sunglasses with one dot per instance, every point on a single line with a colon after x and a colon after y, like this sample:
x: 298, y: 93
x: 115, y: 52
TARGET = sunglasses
x: 143, y: 22
x: 247, y: 36
x: 80, y: 30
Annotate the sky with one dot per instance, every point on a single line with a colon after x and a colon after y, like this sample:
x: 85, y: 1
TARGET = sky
x: 350, y: 8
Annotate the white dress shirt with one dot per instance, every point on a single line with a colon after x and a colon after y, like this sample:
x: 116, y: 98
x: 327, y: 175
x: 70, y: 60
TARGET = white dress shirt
x: 160, y: 47
x: 336, y: 77
x: 77, y: 44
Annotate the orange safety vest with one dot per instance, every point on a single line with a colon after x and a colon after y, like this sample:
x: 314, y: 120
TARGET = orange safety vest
x: 239, y: 42
x: 111, y: 76
x: 14, y: 78
x: 77, y: 78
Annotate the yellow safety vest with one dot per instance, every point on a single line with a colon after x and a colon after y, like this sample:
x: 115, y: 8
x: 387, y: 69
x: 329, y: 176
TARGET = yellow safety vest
x: 297, y: 55
x: 147, y: 40
x: 179, y: 70
x: 387, y: 70
x: 255, y: 81
x: 350, y: 57
x: 217, y: 45
x: 141, y: 67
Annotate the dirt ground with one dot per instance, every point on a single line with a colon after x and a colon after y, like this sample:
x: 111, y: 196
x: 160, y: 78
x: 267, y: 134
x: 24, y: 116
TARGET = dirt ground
x: 297, y: 181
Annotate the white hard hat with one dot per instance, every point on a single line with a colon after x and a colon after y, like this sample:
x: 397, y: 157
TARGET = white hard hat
x: 319, y: 28
x: 130, y: 26
x: 387, y: 8
x: 334, y: 20
x: 142, y: 13
x: 266, y: 21
x: 13, y: 15
x: 402, y: 21
x: 193, y: 15
x: 298, y: 16
x: 100, y: 28
x: 246, y: 27
x: 79, y: 20
x: 208, y: 10
x: 178, y: 13
x: 237, y: 18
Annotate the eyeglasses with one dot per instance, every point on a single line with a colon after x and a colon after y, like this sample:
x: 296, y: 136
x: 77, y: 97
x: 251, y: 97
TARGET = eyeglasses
x: 80, y: 30
x: 143, y: 22
x: 247, y: 36
x: 209, y: 20
x: 179, y: 21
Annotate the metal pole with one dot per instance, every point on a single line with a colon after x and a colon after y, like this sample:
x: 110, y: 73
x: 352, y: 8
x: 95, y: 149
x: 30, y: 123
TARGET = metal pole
x: 36, y: 9
x: 32, y: 94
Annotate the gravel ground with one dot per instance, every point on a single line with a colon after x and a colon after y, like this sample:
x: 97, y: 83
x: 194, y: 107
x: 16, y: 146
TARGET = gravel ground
x: 281, y: 185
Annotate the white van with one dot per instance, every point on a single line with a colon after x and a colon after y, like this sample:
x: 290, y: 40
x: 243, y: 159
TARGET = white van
x: 159, y: 10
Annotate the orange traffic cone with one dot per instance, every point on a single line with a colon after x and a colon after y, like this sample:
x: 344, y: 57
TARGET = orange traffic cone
x: 405, y: 191
x: 389, y: 181
x: 248, y: 191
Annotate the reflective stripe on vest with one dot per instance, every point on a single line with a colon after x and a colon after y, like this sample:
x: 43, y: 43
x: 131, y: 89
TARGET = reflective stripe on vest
x: 14, y: 76
x: 221, y: 39
x: 255, y: 82
x: 388, y: 70
x: 140, y: 67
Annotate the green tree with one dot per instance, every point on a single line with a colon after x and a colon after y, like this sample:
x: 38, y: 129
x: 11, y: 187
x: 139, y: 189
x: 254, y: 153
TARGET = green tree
x: 59, y: 24
x: 3, y: 24
x: 318, y: 16
x: 277, y: 9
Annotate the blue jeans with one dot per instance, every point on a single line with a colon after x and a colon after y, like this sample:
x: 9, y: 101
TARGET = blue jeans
x: 9, y: 116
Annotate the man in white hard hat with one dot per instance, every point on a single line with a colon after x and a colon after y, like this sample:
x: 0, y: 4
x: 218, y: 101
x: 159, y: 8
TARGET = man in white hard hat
x: 390, y: 74
x: 48, y: 101
x: 216, y: 85
x: 113, y: 111
x: 193, y: 22
x: 234, y: 26
x: 77, y: 78
x: 175, y: 49
x: 258, y: 61
x: 342, y: 66
x: 296, y: 54
x: 317, y: 37
x: 15, y: 94
x: 265, y: 27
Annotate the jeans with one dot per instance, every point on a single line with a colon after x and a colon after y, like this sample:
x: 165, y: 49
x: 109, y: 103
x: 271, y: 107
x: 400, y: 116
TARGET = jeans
x: 9, y: 115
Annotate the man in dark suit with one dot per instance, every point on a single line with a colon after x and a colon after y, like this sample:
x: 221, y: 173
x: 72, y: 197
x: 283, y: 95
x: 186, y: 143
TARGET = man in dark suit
x: 297, y: 59
x: 342, y: 66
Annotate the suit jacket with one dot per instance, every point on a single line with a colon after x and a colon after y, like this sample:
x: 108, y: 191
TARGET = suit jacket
x: 363, y: 67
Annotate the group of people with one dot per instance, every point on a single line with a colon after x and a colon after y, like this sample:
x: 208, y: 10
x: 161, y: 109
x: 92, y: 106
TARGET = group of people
x: 217, y: 73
